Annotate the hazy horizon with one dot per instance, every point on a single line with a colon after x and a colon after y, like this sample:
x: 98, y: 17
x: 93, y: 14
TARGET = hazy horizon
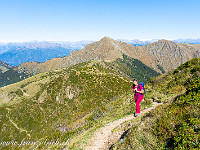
x: 142, y: 40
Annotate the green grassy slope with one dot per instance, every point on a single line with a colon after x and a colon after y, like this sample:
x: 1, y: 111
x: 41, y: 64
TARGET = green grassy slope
x: 176, y: 124
x: 176, y: 80
x: 133, y: 68
x: 56, y: 105
x: 61, y: 104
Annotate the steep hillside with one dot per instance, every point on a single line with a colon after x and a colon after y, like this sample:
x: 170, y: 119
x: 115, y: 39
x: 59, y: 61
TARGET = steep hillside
x: 9, y: 74
x: 170, y: 55
x: 161, y: 56
x: 176, y: 124
x: 4, y: 67
x: 12, y: 76
x: 176, y: 80
x: 57, y: 105
x: 133, y: 68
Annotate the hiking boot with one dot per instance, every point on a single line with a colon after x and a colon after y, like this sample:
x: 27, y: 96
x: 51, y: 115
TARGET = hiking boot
x: 136, y: 114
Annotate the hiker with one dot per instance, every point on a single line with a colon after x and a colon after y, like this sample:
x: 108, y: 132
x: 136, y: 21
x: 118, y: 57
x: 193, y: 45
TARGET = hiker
x: 139, y: 91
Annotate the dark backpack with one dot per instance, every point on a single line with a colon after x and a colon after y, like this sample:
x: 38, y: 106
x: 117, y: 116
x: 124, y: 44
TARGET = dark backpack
x: 142, y: 83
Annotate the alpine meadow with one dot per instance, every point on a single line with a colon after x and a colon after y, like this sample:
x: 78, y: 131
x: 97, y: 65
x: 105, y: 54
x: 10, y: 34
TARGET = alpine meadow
x: 99, y: 75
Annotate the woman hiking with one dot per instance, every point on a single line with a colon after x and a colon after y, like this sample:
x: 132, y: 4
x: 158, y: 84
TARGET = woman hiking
x: 139, y: 91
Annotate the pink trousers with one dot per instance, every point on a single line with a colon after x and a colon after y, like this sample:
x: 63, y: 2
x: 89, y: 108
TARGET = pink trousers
x: 137, y: 101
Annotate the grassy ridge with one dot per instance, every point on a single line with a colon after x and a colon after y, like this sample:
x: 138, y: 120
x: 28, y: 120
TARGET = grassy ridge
x: 60, y: 105
x: 176, y: 124
x: 72, y: 100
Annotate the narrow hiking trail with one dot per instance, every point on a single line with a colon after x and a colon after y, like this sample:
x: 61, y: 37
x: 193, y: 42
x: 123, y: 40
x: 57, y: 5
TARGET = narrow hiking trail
x: 103, y: 138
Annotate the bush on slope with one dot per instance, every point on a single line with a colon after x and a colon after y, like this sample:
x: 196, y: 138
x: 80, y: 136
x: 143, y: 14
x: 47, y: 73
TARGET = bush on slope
x: 176, y: 124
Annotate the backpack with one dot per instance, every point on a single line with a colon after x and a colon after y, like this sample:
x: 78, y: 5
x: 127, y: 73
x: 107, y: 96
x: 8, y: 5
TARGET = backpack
x: 142, y: 83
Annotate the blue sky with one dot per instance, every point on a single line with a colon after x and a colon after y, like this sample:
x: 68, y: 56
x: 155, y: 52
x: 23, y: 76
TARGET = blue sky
x: 74, y: 20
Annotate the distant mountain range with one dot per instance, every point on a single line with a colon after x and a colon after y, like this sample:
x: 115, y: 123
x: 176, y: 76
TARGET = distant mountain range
x: 188, y: 41
x: 138, y: 42
x: 17, y: 53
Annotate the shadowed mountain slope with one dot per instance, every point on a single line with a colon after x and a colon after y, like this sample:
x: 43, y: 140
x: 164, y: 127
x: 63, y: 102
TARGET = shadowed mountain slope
x: 4, y: 67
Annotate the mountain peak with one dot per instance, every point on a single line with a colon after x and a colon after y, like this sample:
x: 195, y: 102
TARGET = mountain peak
x: 104, y: 39
x: 160, y: 53
x: 165, y: 41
